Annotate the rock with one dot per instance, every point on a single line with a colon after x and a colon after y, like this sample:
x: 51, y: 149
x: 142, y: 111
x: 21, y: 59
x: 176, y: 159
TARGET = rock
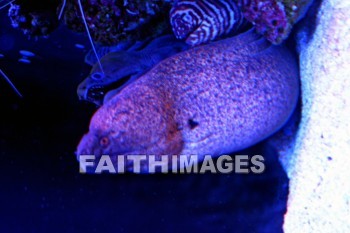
x: 318, y: 164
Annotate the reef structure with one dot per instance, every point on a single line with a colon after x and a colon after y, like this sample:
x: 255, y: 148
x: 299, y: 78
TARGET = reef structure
x: 112, y: 21
x: 274, y: 18
x: 34, y: 18
x: 109, y: 21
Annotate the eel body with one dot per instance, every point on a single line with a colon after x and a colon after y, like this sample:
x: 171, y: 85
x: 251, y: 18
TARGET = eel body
x: 210, y: 100
x: 201, y: 21
x: 121, y: 67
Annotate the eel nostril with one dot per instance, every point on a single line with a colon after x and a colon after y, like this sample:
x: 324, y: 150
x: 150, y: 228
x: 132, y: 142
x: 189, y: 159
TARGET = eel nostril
x: 97, y: 76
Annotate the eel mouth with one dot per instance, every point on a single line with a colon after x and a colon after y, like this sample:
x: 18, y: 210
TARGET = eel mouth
x: 96, y: 93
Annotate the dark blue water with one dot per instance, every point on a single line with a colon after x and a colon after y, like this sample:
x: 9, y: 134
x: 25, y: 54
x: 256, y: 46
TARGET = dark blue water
x: 42, y: 190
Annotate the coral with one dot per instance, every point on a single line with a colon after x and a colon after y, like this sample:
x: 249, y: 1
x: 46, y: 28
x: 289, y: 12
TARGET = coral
x: 274, y: 18
x: 34, y: 18
x: 111, y: 21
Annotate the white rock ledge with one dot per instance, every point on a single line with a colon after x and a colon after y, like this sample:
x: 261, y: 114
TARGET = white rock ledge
x: 319, y: 164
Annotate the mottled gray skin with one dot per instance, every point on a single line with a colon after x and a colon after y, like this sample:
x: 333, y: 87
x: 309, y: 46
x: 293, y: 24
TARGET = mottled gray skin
x: 123, y: 67
x: 213, y: 99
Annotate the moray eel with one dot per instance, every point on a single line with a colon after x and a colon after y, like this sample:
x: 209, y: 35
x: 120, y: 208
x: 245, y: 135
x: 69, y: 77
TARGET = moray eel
x: 210, y: 100
x: 123, y: 67
x: 200, y: 21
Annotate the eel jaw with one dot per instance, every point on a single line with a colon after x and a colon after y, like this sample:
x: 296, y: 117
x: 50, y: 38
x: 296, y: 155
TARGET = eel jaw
x: 96, y: 93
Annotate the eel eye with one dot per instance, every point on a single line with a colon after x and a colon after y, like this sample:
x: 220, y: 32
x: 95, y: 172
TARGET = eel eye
x: 104, y: 141
x: 97, y: 76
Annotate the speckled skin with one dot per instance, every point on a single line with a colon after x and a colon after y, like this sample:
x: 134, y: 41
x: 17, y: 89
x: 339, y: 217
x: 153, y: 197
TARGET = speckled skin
x: 212, y: 99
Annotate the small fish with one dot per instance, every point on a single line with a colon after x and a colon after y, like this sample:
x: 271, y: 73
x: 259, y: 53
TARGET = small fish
x: 209, y: 100
x: 26, y: 53
x: 201, y: 21
x: 123, y: 67
x: 79, y: 46
x: 24, y: 60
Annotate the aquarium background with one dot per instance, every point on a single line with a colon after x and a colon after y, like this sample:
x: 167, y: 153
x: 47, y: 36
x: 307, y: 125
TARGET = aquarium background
x: 42, y: 190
